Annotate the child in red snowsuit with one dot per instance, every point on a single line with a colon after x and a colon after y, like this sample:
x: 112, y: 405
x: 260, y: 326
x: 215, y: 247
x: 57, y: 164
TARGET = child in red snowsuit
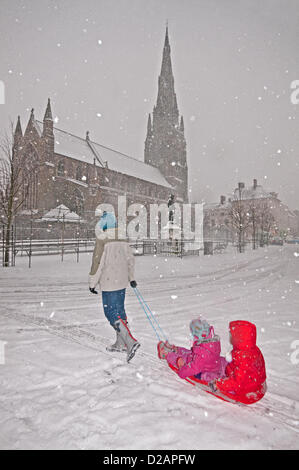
x: 246, y: 373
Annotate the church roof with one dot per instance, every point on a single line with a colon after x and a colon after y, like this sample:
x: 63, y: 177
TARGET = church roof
x: 78, y: 148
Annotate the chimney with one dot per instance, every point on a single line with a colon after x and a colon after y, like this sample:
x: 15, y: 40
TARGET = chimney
x: 222, y: 200
x: 254, y: 184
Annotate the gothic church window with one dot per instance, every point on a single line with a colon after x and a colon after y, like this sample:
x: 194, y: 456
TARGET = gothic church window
x: 78, y: 173
x: 60, y: 169
x: 30, y: 179
x: 79, y: 202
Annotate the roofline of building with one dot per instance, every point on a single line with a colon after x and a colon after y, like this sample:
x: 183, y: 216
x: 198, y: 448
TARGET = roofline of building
x: 100, y: 145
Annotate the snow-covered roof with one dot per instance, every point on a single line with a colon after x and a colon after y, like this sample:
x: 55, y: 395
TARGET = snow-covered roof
x: 216, y: 205
x: 78, y: 148
x: 61, y: 213
x: 253, y: 192
x: 257, y: 192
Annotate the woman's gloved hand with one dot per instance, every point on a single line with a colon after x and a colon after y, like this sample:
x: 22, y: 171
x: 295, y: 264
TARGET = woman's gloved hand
x: 133, y: 284
x: 92, y: 290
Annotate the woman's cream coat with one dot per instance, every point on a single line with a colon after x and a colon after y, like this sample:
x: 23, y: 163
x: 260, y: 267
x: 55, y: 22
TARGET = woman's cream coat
x: 112, y: 263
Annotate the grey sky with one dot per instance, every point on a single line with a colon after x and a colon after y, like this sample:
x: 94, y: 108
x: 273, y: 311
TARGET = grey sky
x: 99, y: 60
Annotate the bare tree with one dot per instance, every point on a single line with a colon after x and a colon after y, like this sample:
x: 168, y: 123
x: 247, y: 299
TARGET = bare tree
x: 14, y: 186
x: 266, y: 221
x: 240, y: 220
x: 254, y: 218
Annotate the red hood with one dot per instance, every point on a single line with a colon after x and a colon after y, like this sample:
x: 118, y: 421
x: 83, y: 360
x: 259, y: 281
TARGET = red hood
x: 243, y: 334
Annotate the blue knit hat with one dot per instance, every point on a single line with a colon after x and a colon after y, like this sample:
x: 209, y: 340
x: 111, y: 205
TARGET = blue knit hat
x: 108, y: 220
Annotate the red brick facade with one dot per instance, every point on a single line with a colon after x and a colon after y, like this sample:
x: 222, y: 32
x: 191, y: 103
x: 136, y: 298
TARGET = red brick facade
x: 81, y: 174
x: 83, y: 181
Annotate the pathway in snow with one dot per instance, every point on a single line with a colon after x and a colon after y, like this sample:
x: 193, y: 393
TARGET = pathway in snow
x: 61, y: 389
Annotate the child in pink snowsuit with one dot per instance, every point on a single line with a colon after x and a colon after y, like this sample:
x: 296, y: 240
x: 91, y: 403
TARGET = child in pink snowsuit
x: 203, y: 360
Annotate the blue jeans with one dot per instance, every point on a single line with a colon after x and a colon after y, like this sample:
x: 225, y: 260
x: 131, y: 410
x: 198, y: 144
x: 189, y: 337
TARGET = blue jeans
x: 114, y: 305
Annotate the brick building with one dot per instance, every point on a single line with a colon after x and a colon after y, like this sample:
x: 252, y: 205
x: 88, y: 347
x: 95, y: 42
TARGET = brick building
x: 270, y: 213
x: 80, y: 173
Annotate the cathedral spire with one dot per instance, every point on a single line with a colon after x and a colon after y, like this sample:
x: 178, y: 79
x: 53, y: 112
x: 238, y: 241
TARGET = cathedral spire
x: 30, y: 128
x: 147, y: 146
x: 48, y: 131
x: 48, y: 121
x: 18, y: 135
x: 182, y: 126
x: 48, y: 113
x: 18, y: 130
x: 165, y: 142
x: 166, y: 101
x: 149, y: 126
x: 166, y: 60
x: 166, y: 35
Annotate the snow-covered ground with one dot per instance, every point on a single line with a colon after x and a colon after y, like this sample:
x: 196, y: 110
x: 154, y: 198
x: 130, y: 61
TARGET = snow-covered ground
x: 60, y: 389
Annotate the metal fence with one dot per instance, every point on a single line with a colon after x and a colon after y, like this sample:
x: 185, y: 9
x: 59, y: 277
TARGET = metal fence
x: 166, y: 247
x: 31, y: 248
x: 22, y: 243
x: 30, y: 241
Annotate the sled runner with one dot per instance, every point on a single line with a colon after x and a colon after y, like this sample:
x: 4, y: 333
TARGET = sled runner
x: 249, y: 398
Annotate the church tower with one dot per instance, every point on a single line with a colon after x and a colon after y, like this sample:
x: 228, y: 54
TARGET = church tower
x: 165, y: 144
x: 48, y: 134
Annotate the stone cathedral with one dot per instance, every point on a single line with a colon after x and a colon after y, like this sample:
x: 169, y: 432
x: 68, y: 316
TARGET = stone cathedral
x: 165, y: 144
x: 80, y: 173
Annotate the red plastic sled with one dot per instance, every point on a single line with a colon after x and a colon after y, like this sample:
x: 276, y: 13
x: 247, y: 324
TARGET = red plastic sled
x: 249, y: 399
